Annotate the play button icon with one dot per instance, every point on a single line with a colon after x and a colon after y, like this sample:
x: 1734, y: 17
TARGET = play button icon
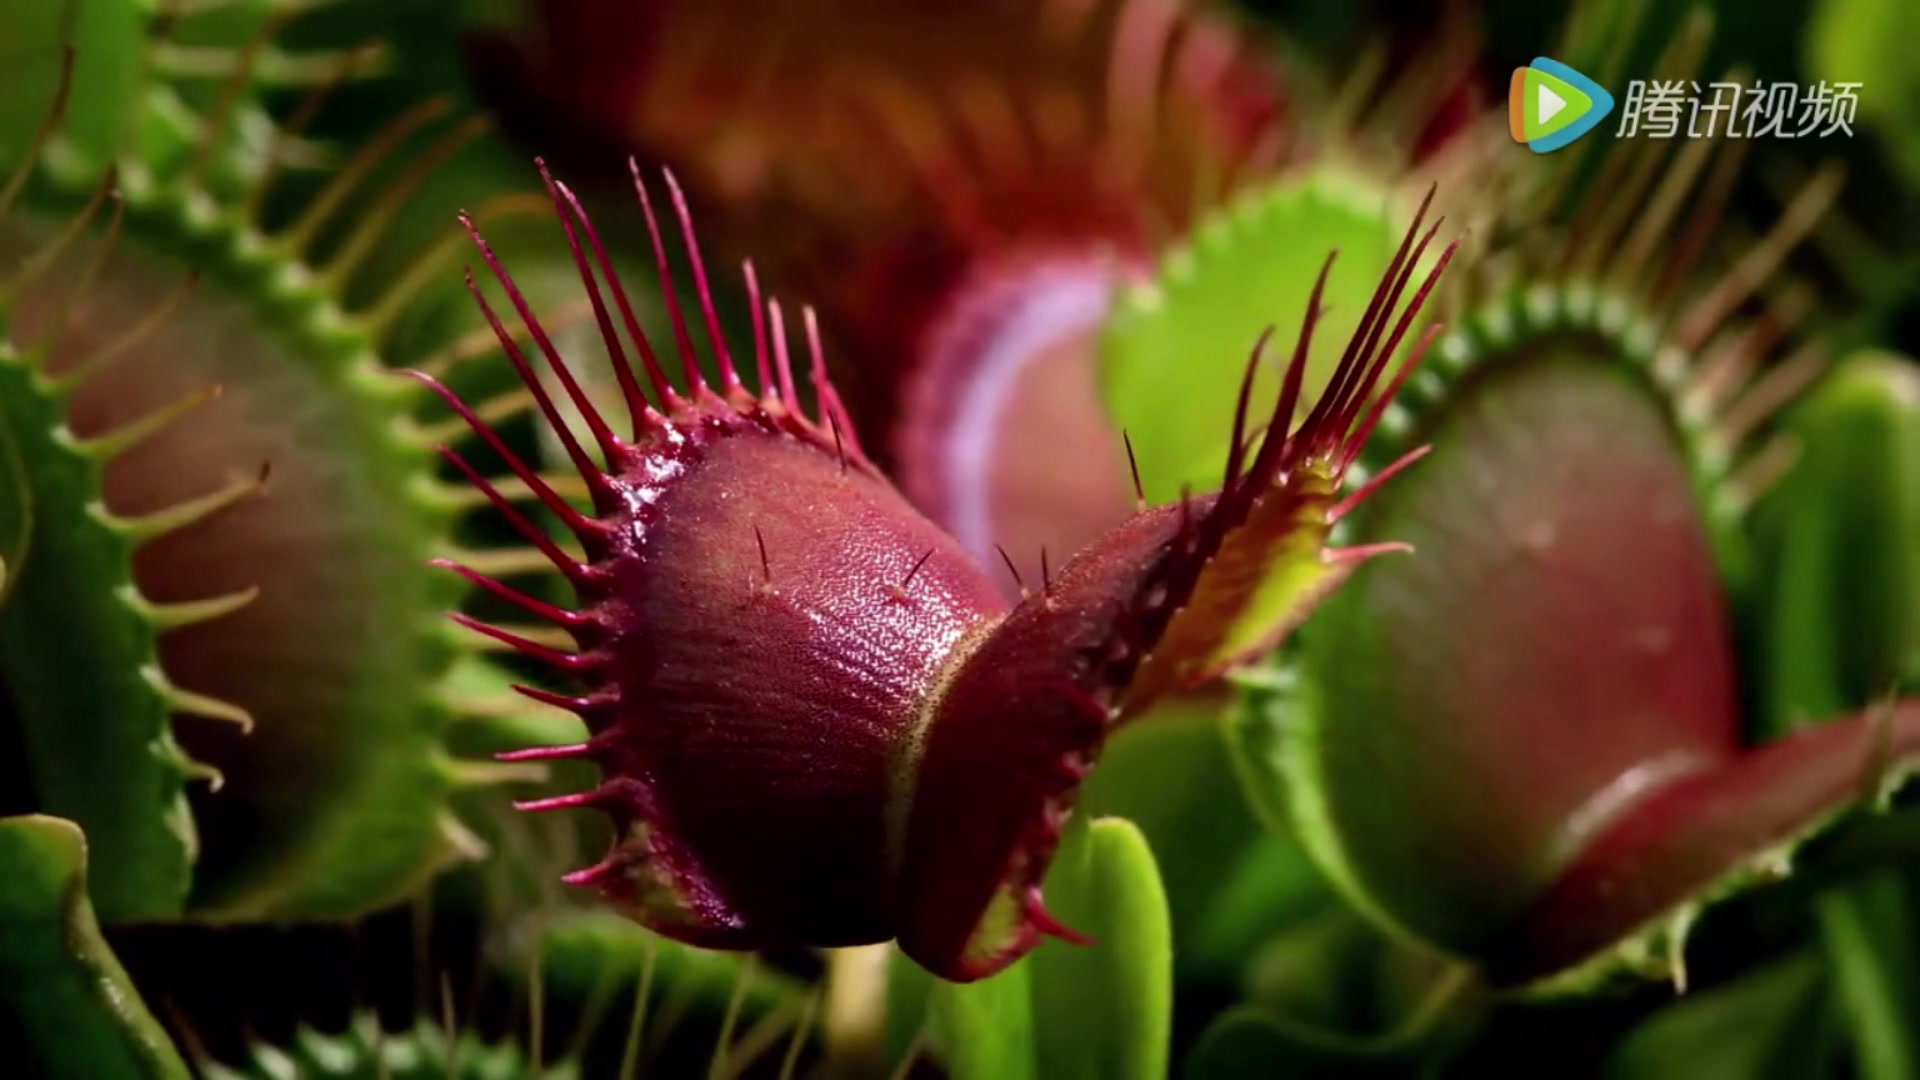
x: 1550, y: 105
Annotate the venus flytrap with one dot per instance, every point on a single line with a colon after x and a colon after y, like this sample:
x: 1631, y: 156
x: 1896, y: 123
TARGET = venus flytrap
x: 227, y: 494
x: 761, y: 614
x: 1527, y: 747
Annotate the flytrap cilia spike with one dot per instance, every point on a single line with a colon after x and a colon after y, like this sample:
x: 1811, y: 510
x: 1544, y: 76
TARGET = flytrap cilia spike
x: 229, y: 503
x: 817, y: 719
x: 1530, y: 747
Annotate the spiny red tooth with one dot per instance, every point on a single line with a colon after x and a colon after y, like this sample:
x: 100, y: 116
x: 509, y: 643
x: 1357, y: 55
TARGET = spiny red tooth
x: 833, y: 412
x: 1359, y: 433
x: 789, y: 394
x: 573, y: 801
x: 570, y: 567
x: 640, y: 411
x: 547, y: 753
x: 689, y: 360
x: 1346, y: 506
x: 728, y: 373
x: 582, y: 526
x: 582, y: 706
x: 1366, y: 334
x: 1237, y: 454
x: 570, y: 620
x: 563, y: 661
x: 1353, y: 556
x: 656, y: 375
x: 593, y: 877
x: 1045, y: 921
x: 1341, y: 422
x: 1281, y: 422
x: 591, y: 473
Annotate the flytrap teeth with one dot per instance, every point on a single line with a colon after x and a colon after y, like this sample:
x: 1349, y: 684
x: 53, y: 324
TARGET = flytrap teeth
x: 192, y: 704
x: 169, y: 616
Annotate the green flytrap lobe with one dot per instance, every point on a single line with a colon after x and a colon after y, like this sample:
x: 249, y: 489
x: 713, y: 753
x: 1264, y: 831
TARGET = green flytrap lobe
x: 1169, y: 352
x: 124, y: 780
x: 1527, y: 745
x: 229, y: 499
x: 151, y: 76
x: 76, y: 1011
x: 1269, y: 575
x: 913, y: 741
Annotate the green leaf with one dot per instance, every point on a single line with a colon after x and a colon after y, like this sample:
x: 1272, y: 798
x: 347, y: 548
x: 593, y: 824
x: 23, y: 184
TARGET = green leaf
x: 1233, y: 876
x: 1841, y: 542
x: 1337, y: 972
x: 1319, y: 971
x: 587, y: 954
x: 1840, y: 627
x: 1229, y: 883
x: 910, y: 990
x: 1270, y: 885
x: 367, y: 1052
x: 1867, y: 42
x: 72, y: 998
x: 1867, y: 928
x: 1255, y: 1045
x: 107, y: 36
x: 1173, y: 353
x: 1770, y: 1025
x: 1254, y: 1042
x: 16, y: 512
x: 984, y: 1030
x: 1104, y: 1010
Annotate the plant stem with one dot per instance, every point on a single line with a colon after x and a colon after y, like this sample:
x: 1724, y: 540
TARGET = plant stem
x: 855, y: 1025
